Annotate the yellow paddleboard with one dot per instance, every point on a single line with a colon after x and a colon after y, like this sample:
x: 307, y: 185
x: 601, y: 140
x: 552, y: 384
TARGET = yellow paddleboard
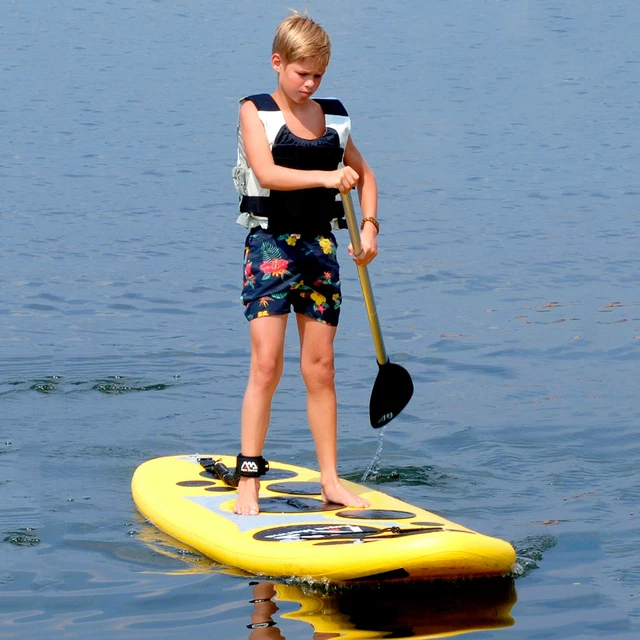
x: 298, y: 535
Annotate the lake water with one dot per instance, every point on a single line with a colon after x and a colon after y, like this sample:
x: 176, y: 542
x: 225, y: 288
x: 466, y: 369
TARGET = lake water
x: 505, y: 138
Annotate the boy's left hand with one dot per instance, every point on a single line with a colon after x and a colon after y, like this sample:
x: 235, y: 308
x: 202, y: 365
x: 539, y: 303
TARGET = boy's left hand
x: 369, y: 242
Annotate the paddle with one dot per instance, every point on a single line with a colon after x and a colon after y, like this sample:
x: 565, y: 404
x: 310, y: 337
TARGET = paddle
x: 393, y: 387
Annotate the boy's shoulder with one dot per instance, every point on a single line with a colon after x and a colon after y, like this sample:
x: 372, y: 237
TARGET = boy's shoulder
x: 332, y: 107
x: 262, y: 101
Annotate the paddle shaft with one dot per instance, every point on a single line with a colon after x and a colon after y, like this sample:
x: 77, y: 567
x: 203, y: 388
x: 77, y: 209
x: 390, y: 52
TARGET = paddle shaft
x: 365, y: 282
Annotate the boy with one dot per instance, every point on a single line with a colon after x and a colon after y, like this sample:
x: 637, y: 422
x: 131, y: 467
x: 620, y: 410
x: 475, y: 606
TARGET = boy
x: 295, y: 155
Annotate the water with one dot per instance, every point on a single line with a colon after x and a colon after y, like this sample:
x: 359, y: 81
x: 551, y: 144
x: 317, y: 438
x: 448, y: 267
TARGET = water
x: 505, y: 140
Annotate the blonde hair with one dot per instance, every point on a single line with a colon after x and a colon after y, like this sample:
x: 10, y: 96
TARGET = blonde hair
x: 299, y: 38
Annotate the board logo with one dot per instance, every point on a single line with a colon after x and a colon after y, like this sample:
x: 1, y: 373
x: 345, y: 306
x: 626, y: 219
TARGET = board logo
x: 315, y: 533
x: 293, y: 533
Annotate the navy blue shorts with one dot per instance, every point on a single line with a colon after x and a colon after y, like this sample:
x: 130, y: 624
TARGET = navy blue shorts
x: 285, y: 271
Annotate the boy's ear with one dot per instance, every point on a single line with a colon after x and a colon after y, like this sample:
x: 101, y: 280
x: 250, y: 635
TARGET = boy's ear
x: 276, y: 62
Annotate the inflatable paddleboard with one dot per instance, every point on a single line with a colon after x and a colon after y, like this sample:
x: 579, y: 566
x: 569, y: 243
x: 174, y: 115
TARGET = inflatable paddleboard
x: 297, y: 535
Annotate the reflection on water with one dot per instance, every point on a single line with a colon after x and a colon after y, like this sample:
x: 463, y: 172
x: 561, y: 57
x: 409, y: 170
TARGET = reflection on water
x: 413, y: 611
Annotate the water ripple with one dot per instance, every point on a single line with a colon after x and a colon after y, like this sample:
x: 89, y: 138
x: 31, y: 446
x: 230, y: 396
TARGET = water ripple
x: 529, y: 553
x: 22, y: 538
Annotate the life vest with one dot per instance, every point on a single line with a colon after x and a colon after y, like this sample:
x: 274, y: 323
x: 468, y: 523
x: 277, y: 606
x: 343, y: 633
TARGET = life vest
x: 315, y: 210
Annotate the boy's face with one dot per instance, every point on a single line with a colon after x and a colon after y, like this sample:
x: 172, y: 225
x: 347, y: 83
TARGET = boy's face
x: 299, y: 80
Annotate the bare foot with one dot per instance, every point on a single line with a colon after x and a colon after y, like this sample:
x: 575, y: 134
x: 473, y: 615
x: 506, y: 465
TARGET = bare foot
x: 335, y: 492
x: 247, y: 501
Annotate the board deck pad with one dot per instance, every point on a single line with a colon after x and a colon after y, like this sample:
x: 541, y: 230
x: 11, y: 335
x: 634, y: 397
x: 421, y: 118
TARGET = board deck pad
x: 298, y: 535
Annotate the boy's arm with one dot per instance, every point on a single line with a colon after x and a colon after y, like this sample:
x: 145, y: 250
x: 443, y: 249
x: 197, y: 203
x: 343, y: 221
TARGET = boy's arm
x: 272, y: 176
x: 368, y: 194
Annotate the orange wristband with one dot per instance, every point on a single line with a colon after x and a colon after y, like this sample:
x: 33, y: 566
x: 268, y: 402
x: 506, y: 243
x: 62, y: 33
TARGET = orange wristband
x: 373, y: 221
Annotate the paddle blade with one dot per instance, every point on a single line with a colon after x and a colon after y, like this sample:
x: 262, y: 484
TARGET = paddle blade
x: 391, y: 393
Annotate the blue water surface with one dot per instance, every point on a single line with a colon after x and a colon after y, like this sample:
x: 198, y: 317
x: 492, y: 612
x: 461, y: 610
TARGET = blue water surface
x: 505, y: 139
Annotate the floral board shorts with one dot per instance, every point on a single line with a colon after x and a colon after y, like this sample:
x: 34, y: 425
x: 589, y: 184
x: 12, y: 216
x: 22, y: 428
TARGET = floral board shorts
x: 284, y: 271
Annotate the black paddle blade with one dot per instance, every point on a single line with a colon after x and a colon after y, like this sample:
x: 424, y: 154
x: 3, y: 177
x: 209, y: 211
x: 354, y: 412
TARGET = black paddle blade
x: 391, y: 393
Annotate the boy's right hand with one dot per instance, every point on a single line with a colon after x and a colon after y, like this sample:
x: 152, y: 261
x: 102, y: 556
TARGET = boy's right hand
x: 343, y: 179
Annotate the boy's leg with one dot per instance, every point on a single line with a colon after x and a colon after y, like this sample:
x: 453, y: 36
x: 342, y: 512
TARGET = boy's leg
x: 317, y: 366
x: 267, y: 349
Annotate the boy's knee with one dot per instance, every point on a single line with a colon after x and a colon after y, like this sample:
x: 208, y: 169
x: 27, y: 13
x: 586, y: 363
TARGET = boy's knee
x: 319, y: 371
x: 267, y: 373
